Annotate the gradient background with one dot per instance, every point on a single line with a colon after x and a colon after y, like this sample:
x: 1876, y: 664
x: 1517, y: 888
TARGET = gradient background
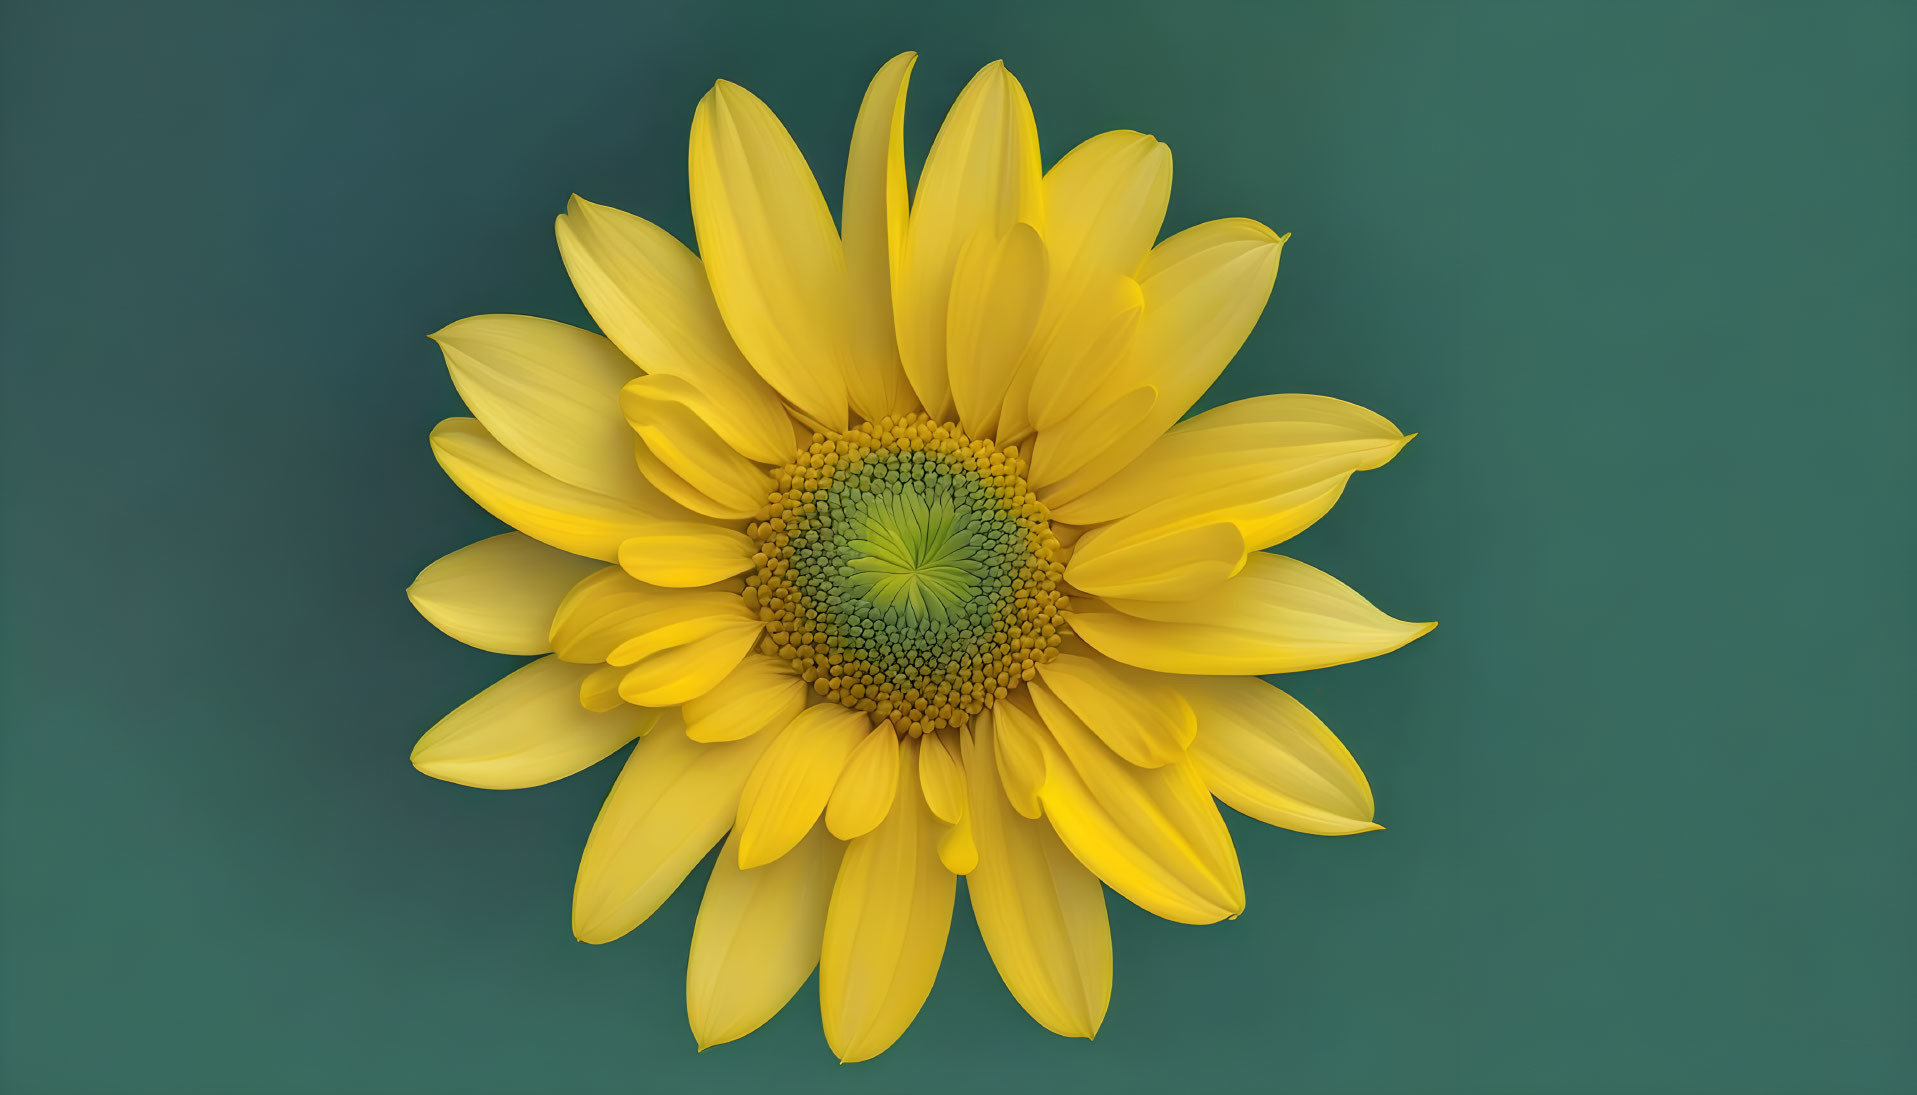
x: 1641, y: 275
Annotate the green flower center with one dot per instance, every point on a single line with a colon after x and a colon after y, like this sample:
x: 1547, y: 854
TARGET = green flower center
x: 906, y: 569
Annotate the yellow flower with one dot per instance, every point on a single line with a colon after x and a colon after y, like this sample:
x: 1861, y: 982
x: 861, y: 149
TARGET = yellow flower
x: 915, y: 571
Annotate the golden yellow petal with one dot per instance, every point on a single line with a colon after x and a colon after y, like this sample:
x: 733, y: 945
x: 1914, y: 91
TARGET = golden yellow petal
x: 774, y: 258
x: 1277, y: 616
x: 997, y: 290
x: 526, y: 730
x: 1019, y: 755
x: 790, y: 785
x: 873, y: 219
x: 569, y: 518
x: 867, y: 786
x: 500, y: 593
x: 982, y: 172
x: 886, y: 928
x: 941, y: 778
x: 1140, y: 716
x: 659, y: 411
x: 1263, y: 754
x: 757, y: 937
x: 760, y: 693
x: 672, y: 802
x: 649, y: 294
x: 1163, y: 563
x: 550, y: 394
x: 1059, y: 452
x: 1204, y: 289
x: 1152, y: 834
x: 686, y: 553
x: 1040, y: 912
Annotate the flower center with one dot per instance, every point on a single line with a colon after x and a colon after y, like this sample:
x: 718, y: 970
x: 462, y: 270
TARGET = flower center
x: 906, y: 569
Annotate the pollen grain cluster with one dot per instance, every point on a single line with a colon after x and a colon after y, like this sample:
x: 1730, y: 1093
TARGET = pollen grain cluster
x: 907, y: 570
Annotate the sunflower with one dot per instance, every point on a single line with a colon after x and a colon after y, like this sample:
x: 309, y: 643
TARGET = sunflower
x: 887, y: 543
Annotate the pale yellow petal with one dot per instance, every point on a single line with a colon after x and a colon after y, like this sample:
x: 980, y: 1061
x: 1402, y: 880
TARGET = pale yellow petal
x: 1040, y: 912
x: 1277, y: 616
x: 600, y: 690
x: 790, y: 785
x: 1152, y: 834
x: 659, y: 410
x: 1270, y: 465
x: 886, y: 928
x: 997, y: 290
x: 524, y: 731
x: 866, y: 787
x: 569, y: 518
x: 941, y: 778
x: 686, y: 553
x: 873, y: 220
x: 672, y: 802
x: 982, y: 173
x: 1204, y: 289
x: 1263, y: 754
x: 674, y: 486
x: 1019, y: 755
x: 550, y: 394
x: 1164, y: 563
x: 771, y: 251
x: 760, y: 693
x: 757, y: 937
x: 500, y: 593
x: 649, y: 294
x: 1139, y: 715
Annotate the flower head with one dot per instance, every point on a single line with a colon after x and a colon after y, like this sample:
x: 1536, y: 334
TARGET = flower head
x: 887, y: 542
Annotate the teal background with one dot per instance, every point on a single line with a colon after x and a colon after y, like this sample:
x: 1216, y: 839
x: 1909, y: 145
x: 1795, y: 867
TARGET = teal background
x: 1641, y: 275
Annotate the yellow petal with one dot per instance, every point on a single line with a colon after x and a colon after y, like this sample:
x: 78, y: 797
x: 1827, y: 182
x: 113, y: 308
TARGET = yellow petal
x: 600, y: 690
x: 958, y: 851
x: 941, y: 778
x: 610, y: 617
x: 757, y: 937
x: 1140, y: 716
x: 885, y: 931
x: 789, y: 787
x: 649, y: 294
x: 672, y: 802
x: 873, y: 218
x: 567, y: 517
x: 761, y: 692
x: 1064, y: 449
x: 1157, y: 564
x: 1019, y: 755
x: 686, y: 553
x: 1152, y: 834
x: 1271, y: 465
x: 685, y: 669
x: 1264, y: 755
x: 982, y: 172
x: 1041, y: 913
x: 674, y: 486
x: 1081, y: 350
x: 997, y: 290
x: 1204, y: 289
x: 867, y: 785
x: 1277, y: 616
x: 1104, y: 203
x: 524, y: 731
x: 498, y: 594
x: 774, y: 257
x: 550, y: 394
x: 659, y: 409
